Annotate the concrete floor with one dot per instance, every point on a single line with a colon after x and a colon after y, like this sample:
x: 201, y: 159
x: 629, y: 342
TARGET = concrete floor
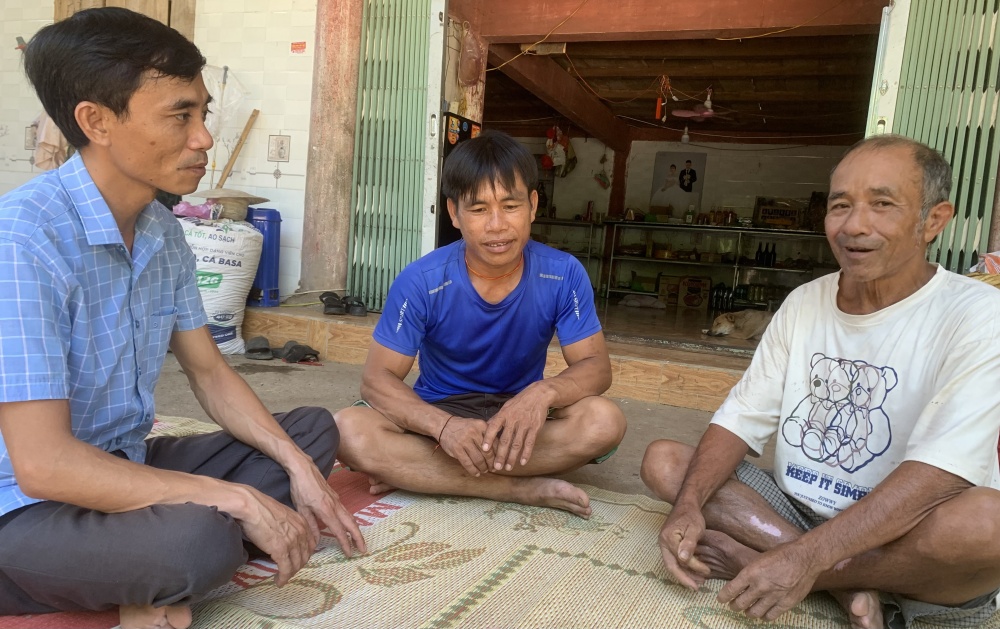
x: 334, y: 385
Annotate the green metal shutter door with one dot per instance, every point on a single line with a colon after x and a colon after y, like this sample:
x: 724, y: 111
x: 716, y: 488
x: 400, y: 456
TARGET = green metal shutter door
x: 948, y: 99
x: 387, y: 184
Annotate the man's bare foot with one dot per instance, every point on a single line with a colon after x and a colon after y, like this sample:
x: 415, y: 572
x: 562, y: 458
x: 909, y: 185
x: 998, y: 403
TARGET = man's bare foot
x: 551, y: 492
x: 149, y: 617
x: 863, y: 607
x: 723, y: 555
x: 375, y: 486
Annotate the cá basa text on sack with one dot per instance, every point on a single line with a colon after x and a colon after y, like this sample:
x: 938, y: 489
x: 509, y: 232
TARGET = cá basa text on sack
x: 222, y: 261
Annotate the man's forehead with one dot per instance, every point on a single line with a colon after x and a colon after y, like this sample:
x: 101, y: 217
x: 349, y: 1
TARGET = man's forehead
x: 498, y: 189
x: 881, y: 169
x: 893, y: 162
x: 171, y: 91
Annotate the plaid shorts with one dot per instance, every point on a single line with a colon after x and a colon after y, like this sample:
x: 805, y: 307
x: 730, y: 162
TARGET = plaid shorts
x: 899, y: 612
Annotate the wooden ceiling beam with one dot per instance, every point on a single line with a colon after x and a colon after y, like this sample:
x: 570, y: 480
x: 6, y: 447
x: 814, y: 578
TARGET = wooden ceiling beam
x: 527, y: 21
x: 545, y: 79
x: 719, y: 69
x: 723, y: 98
x: 758, y: 48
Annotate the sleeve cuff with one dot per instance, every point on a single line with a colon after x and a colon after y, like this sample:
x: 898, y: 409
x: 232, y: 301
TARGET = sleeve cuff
x: 384, y: 342
x: 32, y: 391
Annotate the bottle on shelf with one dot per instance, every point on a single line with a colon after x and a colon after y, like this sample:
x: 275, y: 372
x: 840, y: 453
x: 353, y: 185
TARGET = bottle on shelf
x: 759, y: 256
x: 689, y: 215
x: 772, y: 257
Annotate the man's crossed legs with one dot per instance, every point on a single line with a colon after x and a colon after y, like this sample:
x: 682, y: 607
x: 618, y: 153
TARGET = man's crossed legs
x: 573, y: 436
x: 947, y: 567
x: 151, y: 563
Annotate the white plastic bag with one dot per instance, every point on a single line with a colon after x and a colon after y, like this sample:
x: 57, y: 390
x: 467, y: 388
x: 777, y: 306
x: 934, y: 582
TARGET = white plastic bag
x: 227, y: 254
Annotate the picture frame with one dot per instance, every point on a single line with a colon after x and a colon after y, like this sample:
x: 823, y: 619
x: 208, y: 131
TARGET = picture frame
x: 279, y: 148
x: 678, y: 181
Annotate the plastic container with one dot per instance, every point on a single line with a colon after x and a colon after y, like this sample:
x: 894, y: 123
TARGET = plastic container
x: 264, y: 291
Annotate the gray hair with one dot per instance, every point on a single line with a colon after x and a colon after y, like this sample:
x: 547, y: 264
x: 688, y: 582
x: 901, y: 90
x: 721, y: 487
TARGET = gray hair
x: 936, y: 169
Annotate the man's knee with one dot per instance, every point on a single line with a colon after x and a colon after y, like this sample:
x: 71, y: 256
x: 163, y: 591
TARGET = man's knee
x: 603, y: 425
x: 314, y: 430
x: 964, y: 531
x: 199, y: 548
x: 664, y: 465
x: 358, y: 426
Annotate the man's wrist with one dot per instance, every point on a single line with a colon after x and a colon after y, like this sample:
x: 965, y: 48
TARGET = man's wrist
x: 296, y: 463
x: 548, y: 392
x: 687, y: 502
x: 812, y: 550
x: 235, y: 499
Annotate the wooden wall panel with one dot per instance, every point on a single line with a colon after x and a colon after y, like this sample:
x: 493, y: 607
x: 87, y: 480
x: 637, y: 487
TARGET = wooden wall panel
x: 156, y: 9
x: 177, y: 13
x: 66, y: 8
x: 182, y: 17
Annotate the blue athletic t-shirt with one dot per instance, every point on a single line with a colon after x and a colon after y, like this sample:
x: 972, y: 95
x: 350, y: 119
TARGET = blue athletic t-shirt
x: 468, y: 345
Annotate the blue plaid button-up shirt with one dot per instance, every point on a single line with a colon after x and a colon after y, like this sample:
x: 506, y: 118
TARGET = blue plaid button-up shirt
x: 83, y: 320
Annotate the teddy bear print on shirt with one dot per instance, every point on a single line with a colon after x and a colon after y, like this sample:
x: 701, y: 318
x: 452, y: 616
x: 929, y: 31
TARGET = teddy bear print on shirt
x: 841, y: 422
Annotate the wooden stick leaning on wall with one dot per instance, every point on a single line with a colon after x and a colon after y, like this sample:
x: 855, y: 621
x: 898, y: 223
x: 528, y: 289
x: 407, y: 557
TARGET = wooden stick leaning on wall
x: 236, y: 150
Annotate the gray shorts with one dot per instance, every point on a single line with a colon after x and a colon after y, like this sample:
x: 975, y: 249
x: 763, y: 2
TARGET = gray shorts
x: 899, y: 612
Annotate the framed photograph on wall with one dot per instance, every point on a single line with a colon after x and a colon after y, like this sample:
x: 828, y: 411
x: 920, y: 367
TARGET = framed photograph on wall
x: 678, y: 179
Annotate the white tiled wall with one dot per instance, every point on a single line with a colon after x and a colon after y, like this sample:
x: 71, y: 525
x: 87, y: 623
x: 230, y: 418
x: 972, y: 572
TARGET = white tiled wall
x: 18, y: 105
x: 735, y: 174
x: 253, y: 38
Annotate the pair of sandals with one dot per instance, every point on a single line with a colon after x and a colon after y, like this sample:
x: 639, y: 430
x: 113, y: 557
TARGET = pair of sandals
x: 258, y: 348
x: 334, y: 304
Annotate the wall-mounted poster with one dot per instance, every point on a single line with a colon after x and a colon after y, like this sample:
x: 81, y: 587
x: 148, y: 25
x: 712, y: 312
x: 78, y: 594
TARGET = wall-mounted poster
x: 678, y: 178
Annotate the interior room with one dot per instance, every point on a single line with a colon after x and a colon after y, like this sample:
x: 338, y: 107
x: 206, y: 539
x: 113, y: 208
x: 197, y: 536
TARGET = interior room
x: 726, y: 167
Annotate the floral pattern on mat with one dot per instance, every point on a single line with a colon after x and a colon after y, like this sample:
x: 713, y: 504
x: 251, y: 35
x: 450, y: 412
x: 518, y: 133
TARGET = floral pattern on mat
x: 534, y: 518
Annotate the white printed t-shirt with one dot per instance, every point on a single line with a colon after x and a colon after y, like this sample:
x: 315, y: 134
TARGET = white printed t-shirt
x: 850, y: 397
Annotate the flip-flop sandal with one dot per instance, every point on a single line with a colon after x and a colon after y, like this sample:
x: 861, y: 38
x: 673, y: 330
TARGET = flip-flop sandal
x: 258, y: 349
x: 301, y: 354
x: 281, y: 353
x: 355, y: 307
x: 332, y: 304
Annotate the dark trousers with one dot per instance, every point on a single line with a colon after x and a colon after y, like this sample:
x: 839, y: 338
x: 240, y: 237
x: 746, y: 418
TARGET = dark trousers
x: 58, y: 557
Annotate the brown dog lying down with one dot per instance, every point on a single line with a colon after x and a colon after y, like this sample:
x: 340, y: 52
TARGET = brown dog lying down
x: 745, y: 324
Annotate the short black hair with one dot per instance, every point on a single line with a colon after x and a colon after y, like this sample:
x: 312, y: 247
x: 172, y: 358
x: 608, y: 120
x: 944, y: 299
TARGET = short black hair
x: 493, y: 157
x: 687, y: 161
x: 101, y: 55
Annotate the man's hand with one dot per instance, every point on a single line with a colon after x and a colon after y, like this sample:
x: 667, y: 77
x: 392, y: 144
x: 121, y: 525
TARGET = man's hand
x: 278, y: 531
x: 460, y: 440
x: 320, y: 505
x: 775, y: 582
x: 678, y: 539
x: 520, y: 419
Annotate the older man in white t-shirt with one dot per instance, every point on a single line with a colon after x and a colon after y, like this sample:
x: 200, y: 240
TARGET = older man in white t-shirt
x: 881, y: 385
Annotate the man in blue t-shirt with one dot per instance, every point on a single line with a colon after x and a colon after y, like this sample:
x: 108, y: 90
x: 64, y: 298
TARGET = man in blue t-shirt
x: 481, y: 313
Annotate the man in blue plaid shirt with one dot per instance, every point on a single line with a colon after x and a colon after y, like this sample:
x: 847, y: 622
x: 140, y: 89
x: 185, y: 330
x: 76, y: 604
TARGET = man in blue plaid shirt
x: 96, y: 281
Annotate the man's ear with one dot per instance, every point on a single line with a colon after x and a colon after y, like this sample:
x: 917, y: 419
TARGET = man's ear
x: 93, y: 120
x: 452, y: 212
x: 533, y: 199
x: 936, y: 220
